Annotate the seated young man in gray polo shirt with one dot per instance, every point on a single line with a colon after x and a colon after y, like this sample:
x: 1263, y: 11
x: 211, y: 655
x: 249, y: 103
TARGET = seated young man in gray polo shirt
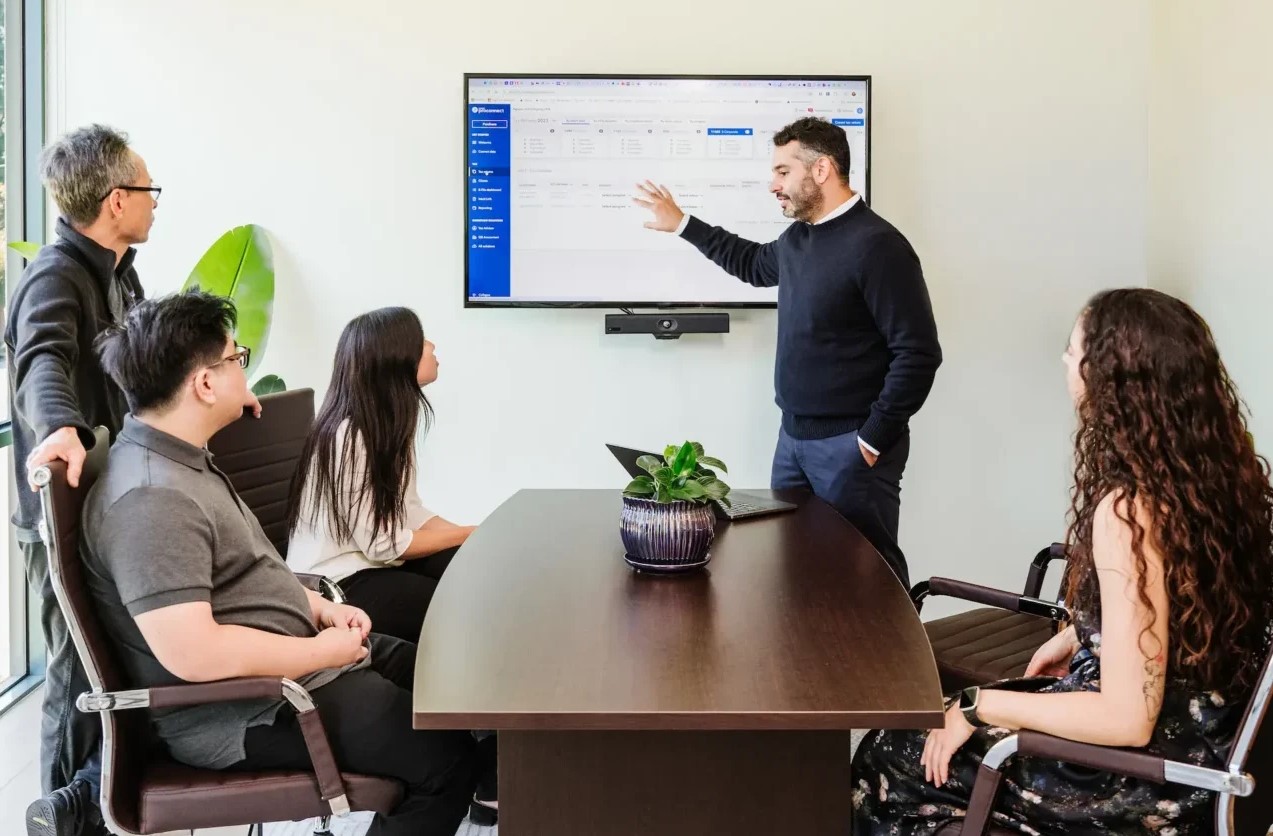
x: 189, y: 588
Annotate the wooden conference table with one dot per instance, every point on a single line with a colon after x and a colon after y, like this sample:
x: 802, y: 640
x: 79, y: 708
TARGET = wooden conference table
x: 712, y: 703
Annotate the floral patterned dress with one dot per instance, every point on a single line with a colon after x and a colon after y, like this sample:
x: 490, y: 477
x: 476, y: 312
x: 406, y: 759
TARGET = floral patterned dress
x: 891, y: 797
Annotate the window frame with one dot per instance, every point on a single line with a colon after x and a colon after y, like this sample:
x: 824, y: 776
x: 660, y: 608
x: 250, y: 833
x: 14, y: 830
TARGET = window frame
x: 25, y: 220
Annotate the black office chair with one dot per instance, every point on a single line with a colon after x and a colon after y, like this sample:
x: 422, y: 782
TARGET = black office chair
x: 995, y: 641
x: 259, y: 456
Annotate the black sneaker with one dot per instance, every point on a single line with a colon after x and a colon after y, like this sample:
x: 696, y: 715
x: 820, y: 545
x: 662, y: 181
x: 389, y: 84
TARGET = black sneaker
x: 484, y: 813
x: 70, y: 811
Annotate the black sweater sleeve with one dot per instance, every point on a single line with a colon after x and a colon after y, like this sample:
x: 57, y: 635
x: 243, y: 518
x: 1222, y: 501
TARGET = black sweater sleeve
x: 46, y: 319
x: 895, y: 293
x: 756, y: 264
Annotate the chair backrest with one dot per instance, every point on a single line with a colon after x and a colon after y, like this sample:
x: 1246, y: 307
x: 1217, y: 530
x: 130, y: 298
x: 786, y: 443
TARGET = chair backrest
x: 1252, y: 753
x: 126, y: 735
x: 259, y: 456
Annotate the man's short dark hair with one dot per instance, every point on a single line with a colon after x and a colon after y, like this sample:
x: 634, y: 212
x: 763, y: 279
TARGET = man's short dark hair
x: 818, y: 138
x: 162, y: 341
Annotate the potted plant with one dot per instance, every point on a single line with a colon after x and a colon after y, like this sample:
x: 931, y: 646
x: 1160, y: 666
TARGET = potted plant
x: 668, y: 524
x: 240, y: 266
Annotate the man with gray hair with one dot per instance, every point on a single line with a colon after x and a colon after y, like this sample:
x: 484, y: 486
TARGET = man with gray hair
x: 74, y: 289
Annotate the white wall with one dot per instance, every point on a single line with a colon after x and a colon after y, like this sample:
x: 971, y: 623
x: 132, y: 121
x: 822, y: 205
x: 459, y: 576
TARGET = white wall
x: 1211, y: 199
x: 1009, y: 145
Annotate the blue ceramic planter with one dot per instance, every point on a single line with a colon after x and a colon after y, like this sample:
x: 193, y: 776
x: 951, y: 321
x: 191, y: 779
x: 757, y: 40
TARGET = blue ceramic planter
x: 666, y: 536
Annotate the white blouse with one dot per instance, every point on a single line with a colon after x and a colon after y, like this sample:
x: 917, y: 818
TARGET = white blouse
x: 312, y: 548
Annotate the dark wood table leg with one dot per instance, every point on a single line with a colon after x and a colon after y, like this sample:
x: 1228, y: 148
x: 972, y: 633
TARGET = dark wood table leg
x: 642, y: 783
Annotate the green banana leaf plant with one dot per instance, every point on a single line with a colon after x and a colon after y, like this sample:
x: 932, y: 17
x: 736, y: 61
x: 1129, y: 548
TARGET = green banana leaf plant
x: 25, y: 249
x: 240, y: 266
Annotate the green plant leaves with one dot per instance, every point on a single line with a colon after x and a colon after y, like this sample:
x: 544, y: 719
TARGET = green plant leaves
x: 681, y: 475
x: 649, y: 463
x: 268, y: 385
x: 716, y: 489
x: 692, y: 490
x: 685, y: 460
x: 642, y: 486
x: 25, y: 249
x: 240, y: 266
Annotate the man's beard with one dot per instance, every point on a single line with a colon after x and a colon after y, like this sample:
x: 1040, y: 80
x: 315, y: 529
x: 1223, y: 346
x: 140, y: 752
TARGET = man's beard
x: 806, y: 204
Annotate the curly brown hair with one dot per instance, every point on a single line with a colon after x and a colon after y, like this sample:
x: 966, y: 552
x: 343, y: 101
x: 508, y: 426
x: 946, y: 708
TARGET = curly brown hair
x: 1161, y: 425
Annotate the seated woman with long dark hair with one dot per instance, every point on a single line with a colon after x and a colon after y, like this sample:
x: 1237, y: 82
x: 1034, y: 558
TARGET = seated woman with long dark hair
x: 1171, y: 545
x: 355, y: 513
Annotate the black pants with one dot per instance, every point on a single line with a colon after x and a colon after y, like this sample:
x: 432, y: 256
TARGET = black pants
x: 367, y: 714
x: 70, y: 740
x: 836, y: 472
x: 397, y: 597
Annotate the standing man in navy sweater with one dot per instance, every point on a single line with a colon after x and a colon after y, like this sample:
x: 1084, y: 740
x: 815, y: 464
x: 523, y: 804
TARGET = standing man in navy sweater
x: 857, y: 344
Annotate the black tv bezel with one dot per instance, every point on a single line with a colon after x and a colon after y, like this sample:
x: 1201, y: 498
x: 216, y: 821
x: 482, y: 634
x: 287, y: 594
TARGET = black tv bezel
x: 504, y: 303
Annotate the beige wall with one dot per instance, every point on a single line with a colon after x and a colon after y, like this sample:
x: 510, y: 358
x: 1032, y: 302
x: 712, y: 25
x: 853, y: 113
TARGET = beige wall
x: 1211, y: 193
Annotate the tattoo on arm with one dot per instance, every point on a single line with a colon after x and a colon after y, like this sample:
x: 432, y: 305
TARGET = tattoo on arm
x: 1155, y: 675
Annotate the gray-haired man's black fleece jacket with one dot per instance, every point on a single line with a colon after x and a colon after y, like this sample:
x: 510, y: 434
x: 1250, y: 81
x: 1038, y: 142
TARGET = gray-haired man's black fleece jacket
x: 59, y: 307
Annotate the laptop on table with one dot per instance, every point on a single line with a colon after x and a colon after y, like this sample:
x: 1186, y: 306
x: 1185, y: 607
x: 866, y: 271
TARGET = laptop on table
x: 742, y: 505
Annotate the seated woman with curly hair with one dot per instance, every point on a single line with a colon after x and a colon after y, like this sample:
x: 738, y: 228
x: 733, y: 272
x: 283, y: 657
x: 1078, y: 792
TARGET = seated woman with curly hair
x: 1171, y: 541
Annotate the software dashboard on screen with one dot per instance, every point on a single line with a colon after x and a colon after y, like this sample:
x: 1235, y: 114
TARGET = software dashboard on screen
x: 552, y: 164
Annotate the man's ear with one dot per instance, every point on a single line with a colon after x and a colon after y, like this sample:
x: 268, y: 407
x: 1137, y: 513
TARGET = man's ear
x: 822, y: 170
x: 201, y: 383
x: 115, y: 203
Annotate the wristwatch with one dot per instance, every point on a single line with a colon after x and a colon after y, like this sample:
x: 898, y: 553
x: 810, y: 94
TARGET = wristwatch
x: 968, y: 699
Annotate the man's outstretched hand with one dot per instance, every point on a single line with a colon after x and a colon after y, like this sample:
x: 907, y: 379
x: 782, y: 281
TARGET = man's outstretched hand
x: 667, y: 215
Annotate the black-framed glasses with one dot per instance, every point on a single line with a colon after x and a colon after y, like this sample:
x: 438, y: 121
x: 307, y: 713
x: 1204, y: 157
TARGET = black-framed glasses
x: 241, y: 357
x: 154, y: 191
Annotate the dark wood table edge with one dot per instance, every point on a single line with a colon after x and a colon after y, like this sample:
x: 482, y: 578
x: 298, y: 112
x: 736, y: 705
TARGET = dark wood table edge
x: 681, y: 721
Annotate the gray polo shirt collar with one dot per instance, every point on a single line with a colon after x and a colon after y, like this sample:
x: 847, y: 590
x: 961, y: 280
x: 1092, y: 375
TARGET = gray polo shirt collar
x: 168, y: 446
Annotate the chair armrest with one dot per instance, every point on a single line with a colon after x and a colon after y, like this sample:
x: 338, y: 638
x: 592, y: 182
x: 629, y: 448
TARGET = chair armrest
x: 223, y: 690
x: 331, y: 785
x: 1039, y: 568
x: 323, y: 585
x: 988, y: 596
x: 174, y: 696
x: 1135, y: 763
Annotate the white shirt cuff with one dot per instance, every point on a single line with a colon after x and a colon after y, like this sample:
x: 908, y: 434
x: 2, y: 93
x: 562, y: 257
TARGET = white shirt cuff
x: 874, y: 452
x: 685, y: 221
